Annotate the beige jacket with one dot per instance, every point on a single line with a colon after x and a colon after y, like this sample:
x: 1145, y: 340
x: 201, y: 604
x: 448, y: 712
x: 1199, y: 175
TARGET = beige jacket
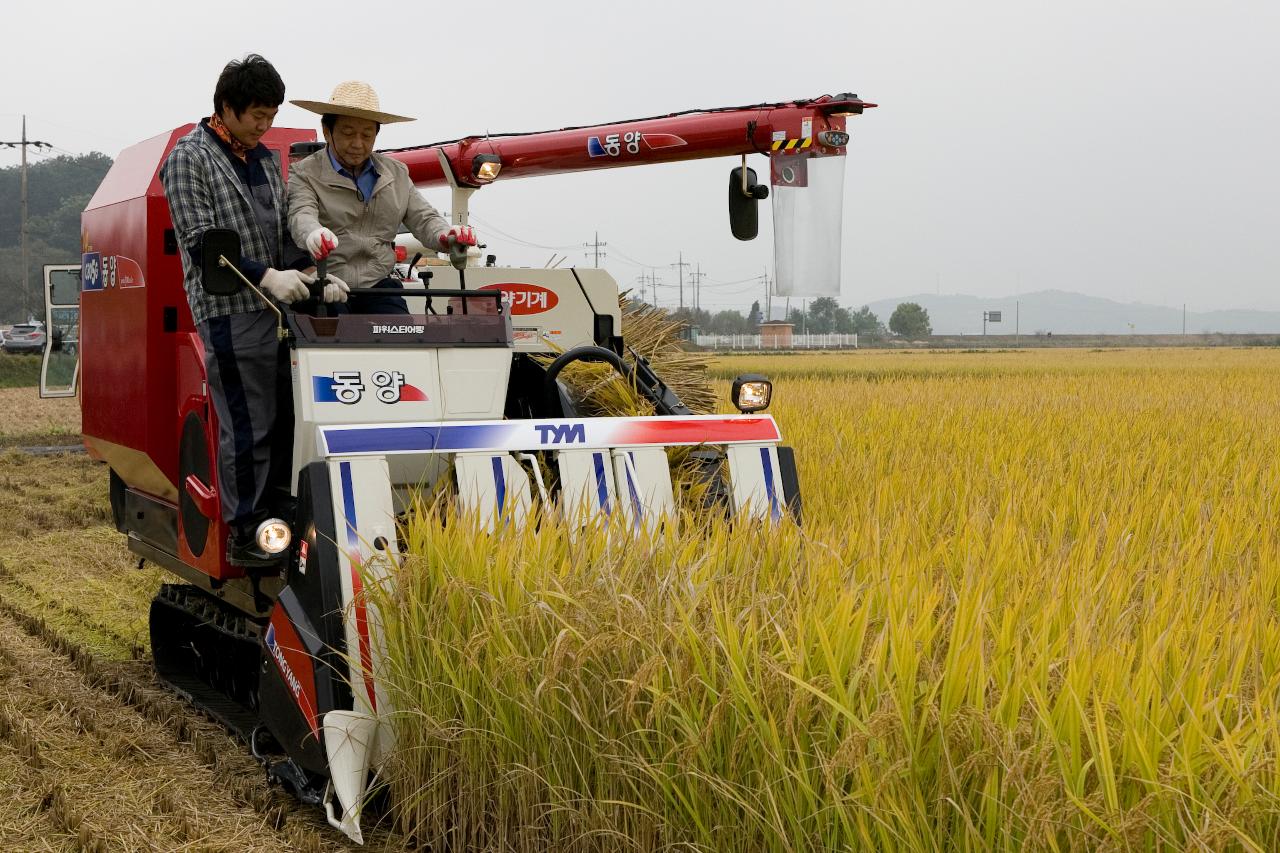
x: 366, y: 230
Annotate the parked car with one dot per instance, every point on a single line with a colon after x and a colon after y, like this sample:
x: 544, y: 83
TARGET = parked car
x: 29, y: 337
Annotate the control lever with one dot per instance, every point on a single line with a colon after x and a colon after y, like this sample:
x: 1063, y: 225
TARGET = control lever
x: 424, y: 276
x: 317, y: 286
x: 458, y: 258
x: 457, y: 254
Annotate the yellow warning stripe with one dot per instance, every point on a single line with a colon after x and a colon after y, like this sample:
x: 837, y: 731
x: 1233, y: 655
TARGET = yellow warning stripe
x: 792, y: 144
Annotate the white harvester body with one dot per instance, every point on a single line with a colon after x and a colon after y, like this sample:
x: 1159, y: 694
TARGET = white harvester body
x: 389, y: 422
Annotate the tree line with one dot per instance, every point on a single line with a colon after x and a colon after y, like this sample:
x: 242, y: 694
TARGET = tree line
x: 822, y: 316
x: 58, y: 189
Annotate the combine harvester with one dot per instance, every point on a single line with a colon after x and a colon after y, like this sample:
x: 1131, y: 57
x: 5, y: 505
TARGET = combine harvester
x: 387, y: 405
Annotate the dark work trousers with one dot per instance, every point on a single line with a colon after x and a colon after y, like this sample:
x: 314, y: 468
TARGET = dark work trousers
x: 249, y: 383
x: 380, y: 304
x: 360, y: 303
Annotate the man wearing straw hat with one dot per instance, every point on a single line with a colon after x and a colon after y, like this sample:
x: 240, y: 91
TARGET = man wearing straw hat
x: 347, y: 203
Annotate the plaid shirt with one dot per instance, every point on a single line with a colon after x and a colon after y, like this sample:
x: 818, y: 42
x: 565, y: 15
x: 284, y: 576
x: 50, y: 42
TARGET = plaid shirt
x: 205, y: 192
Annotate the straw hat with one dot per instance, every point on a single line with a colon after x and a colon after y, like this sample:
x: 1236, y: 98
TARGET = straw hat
x: 354, y: 98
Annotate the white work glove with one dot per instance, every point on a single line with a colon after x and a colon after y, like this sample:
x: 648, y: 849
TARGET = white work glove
x: 321, y: 242
x: 336, y: 290
x: 287, y: 286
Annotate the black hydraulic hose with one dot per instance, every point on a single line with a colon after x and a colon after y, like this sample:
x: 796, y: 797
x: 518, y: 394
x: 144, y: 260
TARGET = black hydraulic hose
x: 663, y: 401
x: 585, y: 353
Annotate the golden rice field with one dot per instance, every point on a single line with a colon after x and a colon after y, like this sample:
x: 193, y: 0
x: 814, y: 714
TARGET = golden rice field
x: 1034, y: 605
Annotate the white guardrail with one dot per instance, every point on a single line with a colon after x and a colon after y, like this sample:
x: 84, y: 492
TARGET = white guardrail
x: 829, y: 341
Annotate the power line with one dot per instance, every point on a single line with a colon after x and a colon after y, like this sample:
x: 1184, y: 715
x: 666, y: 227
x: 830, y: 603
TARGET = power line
x: 619, y: 255
x: 632, y: 260
x: 113, y: 141
x: 704, y: 280
x: 495, y: 229
x: 56, y: 151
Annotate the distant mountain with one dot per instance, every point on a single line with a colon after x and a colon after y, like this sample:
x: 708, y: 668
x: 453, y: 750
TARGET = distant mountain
x: 1066, y: 313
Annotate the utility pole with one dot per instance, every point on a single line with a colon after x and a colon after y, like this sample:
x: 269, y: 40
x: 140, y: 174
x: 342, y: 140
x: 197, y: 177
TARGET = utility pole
x: 23, y: 143
x: 1184, y: 318
x: 697, y: 287
x: 652, y: 280
x: 680, y: 266
x: 596, y: 245
x: 768, y: 306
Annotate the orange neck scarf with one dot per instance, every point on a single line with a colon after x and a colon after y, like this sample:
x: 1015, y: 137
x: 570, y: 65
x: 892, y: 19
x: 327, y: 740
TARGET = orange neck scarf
x: 238, y: 148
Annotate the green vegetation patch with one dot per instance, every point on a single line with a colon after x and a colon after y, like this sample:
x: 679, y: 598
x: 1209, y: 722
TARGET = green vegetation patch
x: 19, y: 371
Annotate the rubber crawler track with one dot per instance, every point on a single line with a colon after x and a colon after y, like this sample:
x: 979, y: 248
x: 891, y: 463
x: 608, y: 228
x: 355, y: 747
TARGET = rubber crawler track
x: 53, y: 707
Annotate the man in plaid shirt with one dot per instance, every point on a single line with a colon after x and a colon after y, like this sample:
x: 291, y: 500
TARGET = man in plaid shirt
x: 220, y: 176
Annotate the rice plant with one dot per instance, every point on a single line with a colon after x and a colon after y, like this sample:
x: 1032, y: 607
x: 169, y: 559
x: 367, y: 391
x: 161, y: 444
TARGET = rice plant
x: 1035, y: 605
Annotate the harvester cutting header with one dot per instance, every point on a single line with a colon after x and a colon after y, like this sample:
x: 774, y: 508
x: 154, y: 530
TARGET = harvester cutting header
x: 464, y: 391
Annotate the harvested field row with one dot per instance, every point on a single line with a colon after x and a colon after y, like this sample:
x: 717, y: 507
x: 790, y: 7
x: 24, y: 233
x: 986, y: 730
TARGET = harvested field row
x: 26, y: 419
x: 107, y: 760
x: 94, y: 753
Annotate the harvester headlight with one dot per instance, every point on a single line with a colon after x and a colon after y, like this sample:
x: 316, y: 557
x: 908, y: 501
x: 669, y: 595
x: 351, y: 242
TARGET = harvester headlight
x: 274, y: 536
x: 485, y: 167
x: 751, y: 393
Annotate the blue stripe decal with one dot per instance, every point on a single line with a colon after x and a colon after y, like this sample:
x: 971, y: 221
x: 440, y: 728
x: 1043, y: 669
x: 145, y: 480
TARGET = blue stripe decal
x: 500, y: 482
x: 631, y: 487
x: 419, y: 438
x: 349, y: 504
x: 602, y: 485
x: 775, y: 512
x: 322, y: 389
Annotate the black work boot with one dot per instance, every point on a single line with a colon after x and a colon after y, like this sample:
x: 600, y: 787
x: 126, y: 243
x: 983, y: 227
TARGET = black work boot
x: 284, y: 506
x: 244, y: 552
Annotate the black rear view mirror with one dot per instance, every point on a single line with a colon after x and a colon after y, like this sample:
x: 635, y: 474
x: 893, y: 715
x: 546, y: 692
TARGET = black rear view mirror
x: 220, y: 262
x: 744, y: 193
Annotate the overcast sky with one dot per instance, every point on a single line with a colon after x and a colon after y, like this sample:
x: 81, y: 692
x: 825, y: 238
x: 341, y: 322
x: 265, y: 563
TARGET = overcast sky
x: 1121, y: 148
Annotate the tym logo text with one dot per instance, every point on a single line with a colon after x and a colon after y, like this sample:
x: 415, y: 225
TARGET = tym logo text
x: 561, y: 433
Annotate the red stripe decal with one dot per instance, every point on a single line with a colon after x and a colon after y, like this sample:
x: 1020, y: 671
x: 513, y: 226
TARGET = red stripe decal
x: 662, y: 140
x: 362, y: 628
x: 294, y: 664
x: 679, y: 431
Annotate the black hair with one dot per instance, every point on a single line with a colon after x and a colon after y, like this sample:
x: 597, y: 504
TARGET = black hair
x: 328, y: 120
x: 246, y: 82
